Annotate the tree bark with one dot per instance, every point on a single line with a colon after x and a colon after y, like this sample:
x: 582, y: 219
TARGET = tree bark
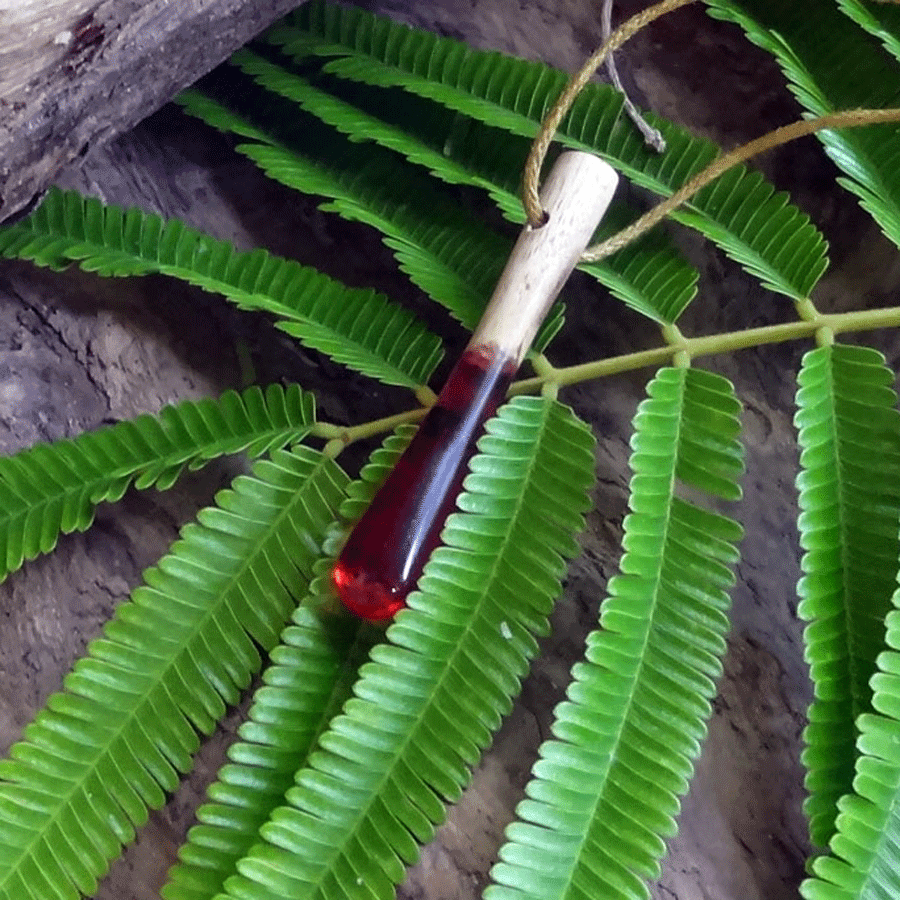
x: 77, y: 73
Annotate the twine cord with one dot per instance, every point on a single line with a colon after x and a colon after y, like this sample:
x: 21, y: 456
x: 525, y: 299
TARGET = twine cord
x: 531, y: 176
x: 850, y: 118
x: 530, y: 199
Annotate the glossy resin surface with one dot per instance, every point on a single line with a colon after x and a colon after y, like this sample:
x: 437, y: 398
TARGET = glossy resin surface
x: 387, y: 550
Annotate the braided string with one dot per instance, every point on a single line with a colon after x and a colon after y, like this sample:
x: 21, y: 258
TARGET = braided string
x: 530, y: 184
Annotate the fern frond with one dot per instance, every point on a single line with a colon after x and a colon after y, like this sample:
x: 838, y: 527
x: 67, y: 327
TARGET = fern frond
x: 451, y: 256
x: 649, y: 276
x: 362, y: 120
x: 310, y: 676
x: 865, y: 848
x: 53, y: 489
x: 606, y: 788
x: 358, y: 328
x: 426, y: 704
x: 115, y: 740
x: 741, y: 212
x: 881, y: 20
x: 849, y: 487
x: 372, y: 188
x: 312, y: 672
x: 831, y: 65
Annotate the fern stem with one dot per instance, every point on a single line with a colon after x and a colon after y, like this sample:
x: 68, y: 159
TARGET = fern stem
x: 599, y: 368
x: 707, y: 345
x: 806, y: 309
x: 824, y: 337
x: 542, y: 366
x: 337, y: 435
x: 822, y: 326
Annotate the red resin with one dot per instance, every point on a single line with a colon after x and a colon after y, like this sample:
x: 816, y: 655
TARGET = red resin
x: 387, y: 550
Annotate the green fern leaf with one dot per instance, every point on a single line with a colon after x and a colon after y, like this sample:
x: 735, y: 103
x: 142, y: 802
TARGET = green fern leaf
x: 451, y: 256
x: 51, y: 489
x: 434, y: 250
x: 881, y: 20
x: 740, y: 212
x: 849, y: 489
x: 865, y: 861
x: 426, y: 704
x: 359, y: 328
x: 831, y: 66
x: 107, y: 748
x: 649, y: 276
x: 311, y: 673
x: 606, y: 789
x: 311, y: 676
x: 363, y: 120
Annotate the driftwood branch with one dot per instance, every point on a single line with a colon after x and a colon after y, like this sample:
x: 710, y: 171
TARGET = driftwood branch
x: 75, y: 73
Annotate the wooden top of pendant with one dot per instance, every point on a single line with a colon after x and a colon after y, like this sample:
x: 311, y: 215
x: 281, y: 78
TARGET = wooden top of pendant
x: 575, y: 196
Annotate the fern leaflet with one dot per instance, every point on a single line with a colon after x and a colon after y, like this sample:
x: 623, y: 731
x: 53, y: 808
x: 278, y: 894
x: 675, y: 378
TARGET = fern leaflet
x: 359, y: 328
x: 606, y: 788
x: 54, y: 488
x: 740, y: 211
x: 426, y: 704
x: 309, y: 678
x: 849, y: 488
x: 865, y: 860
x: 649, y: 276
x: 312, y: 672
x: 451, y: 256
x: 108, y: 747
x: 882, y: 21
x: 831, y: 66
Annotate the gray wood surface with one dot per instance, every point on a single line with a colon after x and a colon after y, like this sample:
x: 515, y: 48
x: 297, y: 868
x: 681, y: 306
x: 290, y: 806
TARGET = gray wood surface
x: 76, y: 73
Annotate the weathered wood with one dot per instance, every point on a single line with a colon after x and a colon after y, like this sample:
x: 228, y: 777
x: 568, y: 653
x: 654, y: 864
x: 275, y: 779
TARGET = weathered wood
x: 76, y: 73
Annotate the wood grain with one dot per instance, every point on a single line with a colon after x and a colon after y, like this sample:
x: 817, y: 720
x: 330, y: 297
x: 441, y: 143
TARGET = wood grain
x: 77, y: 73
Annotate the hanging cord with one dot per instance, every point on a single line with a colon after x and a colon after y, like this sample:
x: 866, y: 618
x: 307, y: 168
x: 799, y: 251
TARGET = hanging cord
x: 535, y: 161
x: 535, y: 213
x: 850, y: 118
